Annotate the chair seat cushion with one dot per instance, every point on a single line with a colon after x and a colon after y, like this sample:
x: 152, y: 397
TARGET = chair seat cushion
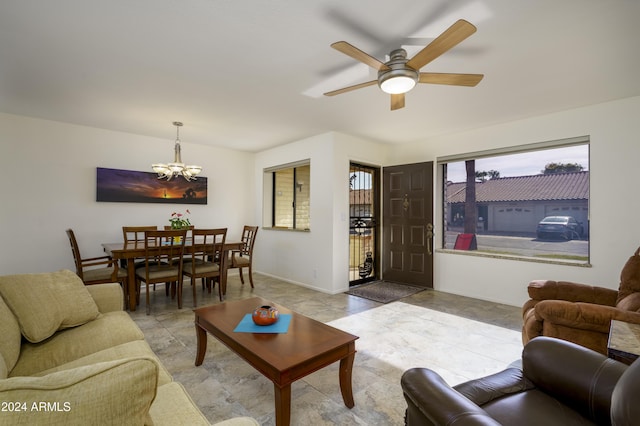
x: 240, y: 261
x: 533, y: 408
x: 48, y: 302
x: 630, y: 303
x: 102, y: 274
x: 202, y: 268
x: 158, y: 272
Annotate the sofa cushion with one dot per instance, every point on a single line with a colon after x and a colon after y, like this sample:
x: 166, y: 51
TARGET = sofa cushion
x: 173, y: 406
x: 48, y: 302
x: 135, y: 349
x: 630, y: 277
x: 4, y: 371
x: 108, y: 330
x: 108, y: 297
x: 109, y: 393
x: 10, y: 340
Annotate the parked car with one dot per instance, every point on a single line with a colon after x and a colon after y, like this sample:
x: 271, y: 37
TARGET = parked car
x: 566, y: 227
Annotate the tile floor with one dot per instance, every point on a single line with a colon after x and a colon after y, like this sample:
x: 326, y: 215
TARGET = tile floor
x: 460, y: 338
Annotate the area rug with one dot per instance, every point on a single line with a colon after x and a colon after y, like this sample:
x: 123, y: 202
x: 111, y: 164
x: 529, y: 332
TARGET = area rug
x: 384, y: 291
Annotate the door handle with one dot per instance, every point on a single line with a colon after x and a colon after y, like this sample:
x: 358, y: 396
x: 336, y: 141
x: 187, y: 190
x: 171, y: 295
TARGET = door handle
x: 429, y: 234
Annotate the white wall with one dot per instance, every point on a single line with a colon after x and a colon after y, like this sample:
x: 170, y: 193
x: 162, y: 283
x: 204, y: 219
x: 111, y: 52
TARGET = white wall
x: 317, y: 259
x: 49, y: 185
x: 614, y: 128
x: 348, y: 149
x: 294, y: 255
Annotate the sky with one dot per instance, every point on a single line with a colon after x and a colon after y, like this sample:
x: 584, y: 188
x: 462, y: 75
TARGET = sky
x: 523, y: 164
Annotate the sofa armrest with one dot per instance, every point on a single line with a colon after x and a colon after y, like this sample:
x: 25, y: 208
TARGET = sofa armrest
x: 579, y: 377
x: 109, y: 297
x: 583, y: 316
x: 572, y: 292
x: 431, y: 401
x: 108, y: 393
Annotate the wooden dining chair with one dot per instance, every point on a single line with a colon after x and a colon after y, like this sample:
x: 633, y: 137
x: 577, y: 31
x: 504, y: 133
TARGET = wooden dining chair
x: 243, y: 258
x: 136, y: 233
x: 190, y: 228
x: 162, y: 261
x: 205, y: 253
x: 97, y: 270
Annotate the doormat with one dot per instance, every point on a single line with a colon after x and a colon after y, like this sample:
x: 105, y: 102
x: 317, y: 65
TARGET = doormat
x: 384, y: 291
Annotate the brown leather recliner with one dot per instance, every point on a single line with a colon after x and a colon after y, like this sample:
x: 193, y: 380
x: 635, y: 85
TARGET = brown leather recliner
x: 560, y: 383
x: 580, y: 313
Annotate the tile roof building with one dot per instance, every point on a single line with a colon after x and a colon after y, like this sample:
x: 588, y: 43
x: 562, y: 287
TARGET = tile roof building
x: 517, y: 204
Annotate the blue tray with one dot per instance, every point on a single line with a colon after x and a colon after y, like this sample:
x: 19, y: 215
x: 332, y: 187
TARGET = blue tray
x: 247, y: 325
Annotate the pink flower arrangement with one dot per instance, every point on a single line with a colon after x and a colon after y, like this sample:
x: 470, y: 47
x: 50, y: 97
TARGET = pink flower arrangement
x: 179, y: 221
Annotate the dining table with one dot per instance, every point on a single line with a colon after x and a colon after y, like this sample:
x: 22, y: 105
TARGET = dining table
x: 129, y: 251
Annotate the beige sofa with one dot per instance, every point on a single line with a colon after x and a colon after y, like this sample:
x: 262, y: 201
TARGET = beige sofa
x: 70, y: 355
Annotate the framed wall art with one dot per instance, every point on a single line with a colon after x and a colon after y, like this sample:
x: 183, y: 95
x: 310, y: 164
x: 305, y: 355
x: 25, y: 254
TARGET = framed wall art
x: 128, y: 186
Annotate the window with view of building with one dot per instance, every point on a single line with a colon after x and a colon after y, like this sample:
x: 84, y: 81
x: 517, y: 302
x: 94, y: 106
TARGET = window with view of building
x: 289, y: 190
x: 530, y: 201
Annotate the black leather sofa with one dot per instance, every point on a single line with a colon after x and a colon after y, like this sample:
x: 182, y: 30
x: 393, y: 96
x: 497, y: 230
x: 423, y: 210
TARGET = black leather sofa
x: 560, y: 383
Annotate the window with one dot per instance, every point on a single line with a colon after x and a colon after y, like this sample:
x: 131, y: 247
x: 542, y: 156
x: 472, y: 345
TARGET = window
x: 530, y: 201
x: 288, y: 189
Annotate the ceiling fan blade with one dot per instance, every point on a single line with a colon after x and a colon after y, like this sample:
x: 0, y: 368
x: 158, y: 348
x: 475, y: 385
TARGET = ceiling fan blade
x: 358, y: 55
x: 449, y: 78
x: 350, y: 88
x: 412, y: 22
x: 397, y: 101
x: 455, y: 34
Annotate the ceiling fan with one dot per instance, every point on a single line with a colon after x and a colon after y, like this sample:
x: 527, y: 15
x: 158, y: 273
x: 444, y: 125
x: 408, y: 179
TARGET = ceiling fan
x: 399, y: 75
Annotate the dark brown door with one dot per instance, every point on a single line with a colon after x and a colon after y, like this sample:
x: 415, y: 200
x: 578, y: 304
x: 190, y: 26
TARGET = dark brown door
x: 408, y: 224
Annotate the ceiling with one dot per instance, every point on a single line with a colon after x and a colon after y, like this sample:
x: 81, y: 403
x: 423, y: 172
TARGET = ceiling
x: 248, y: 75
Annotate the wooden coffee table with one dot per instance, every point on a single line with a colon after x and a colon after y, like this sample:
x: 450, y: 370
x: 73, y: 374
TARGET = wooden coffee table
x: 307, y: 346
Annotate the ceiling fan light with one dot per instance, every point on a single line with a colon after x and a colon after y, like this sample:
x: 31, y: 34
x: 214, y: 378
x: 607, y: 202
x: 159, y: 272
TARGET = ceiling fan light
x: 397, y: 80
x: 399, y: 84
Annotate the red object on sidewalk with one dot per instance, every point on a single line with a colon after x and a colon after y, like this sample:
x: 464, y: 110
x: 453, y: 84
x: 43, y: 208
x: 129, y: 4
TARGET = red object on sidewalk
x: 466, y: 242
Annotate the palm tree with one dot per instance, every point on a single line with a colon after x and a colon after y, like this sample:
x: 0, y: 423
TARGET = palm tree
x: 470, y: 211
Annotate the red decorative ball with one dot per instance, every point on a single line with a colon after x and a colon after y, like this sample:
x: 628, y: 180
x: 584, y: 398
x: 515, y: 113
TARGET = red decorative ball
x: 265, y: 315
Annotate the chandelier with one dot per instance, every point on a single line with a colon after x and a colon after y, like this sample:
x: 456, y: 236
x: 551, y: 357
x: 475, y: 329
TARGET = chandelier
x: 167, y: 171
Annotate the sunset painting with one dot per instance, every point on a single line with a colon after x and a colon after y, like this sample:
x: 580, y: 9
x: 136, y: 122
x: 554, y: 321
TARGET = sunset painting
x: 127, y: 186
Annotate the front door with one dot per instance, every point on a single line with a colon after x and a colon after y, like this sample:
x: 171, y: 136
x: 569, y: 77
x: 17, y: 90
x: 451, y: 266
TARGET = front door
x: 408, y: 224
